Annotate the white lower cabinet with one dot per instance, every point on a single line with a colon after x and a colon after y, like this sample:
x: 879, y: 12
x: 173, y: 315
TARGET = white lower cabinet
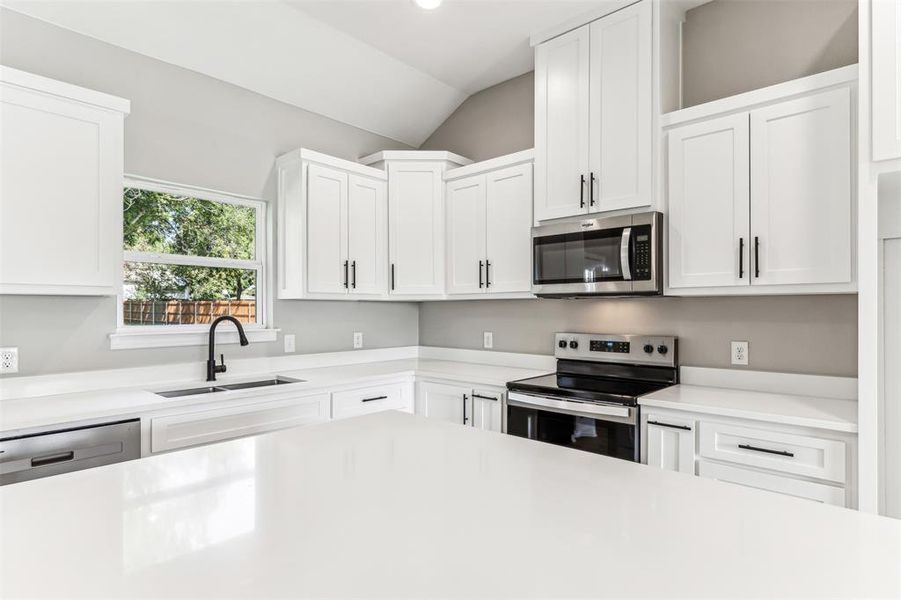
x: 170, y: 432
x: 460, y: 403
x: 820, y: 492
x: 371, y: 399
x: 671, y: 443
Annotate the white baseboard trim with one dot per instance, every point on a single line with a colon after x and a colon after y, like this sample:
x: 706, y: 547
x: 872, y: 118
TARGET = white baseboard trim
x: 820, y: 386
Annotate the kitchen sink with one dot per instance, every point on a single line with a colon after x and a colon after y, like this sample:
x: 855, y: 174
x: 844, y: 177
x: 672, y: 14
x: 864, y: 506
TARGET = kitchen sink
x: 228, y: 386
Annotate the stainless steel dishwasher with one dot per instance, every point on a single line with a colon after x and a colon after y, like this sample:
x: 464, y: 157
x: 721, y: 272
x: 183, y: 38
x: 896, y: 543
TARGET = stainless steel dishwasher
x: 58, y: 451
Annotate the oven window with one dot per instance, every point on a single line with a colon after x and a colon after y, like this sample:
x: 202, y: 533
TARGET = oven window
x: 581, y: 433
x: 587, y: 257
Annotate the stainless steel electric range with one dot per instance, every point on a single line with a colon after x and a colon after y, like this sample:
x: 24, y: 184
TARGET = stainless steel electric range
x: 591, y: 402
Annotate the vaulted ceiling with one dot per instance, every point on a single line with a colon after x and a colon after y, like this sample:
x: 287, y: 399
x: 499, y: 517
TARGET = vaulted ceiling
x: 385, y: 66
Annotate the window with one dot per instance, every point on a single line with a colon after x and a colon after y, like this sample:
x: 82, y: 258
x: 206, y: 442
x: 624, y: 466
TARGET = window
x: 190, y: 256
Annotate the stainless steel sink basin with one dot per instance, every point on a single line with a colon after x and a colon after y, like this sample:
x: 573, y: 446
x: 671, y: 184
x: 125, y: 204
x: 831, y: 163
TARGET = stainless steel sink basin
x: 190, y: 392
x: 261, y: 383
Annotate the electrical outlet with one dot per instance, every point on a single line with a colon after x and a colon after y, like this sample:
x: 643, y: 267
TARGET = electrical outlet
x: 9, y: 360
x: 358, y: 340
x: 289, y: 343
x: 487, y: 340
x: 739, y: 353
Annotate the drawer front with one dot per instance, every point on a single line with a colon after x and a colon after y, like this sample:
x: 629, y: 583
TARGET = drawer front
x: 786, y: 452
x: 190, y: 429
x: 363, y: 401
x: 820, y: 492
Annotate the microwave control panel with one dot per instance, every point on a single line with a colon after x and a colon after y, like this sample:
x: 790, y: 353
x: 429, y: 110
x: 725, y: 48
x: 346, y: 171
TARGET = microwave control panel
x: 641, y: 253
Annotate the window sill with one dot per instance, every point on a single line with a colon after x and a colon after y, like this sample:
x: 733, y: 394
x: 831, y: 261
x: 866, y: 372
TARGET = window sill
x: 130, y: 339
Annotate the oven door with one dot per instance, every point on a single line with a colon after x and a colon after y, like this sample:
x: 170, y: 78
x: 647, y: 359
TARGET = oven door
x: 610, y: 430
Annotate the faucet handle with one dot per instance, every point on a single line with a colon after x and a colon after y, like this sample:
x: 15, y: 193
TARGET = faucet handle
x: 220, y: 368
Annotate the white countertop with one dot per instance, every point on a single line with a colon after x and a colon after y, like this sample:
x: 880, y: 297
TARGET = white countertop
x: 393, y: 505
x: 43, y: 411
x: 806, y: 411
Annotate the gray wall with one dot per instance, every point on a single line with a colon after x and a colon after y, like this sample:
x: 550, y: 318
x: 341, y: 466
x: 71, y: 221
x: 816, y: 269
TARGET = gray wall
x: 733, y: 46
x: 496, y: 121
x: 793, y: 334
x: 187, y: 128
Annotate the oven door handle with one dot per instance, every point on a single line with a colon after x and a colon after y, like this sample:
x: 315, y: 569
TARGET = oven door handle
x: 624, y: 253
x: 581, y: 408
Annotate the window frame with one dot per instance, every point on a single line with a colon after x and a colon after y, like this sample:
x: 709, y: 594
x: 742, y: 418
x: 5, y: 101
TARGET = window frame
x: 146, y: 336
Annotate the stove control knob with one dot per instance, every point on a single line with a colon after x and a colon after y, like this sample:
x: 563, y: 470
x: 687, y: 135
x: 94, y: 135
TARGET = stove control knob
x: 649, y: 349
x: 662, y: 349
x: 573, y: 344
x: 562, y: 343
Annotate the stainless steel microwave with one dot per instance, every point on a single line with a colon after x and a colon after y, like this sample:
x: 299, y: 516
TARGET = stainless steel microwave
x: 613, y: 256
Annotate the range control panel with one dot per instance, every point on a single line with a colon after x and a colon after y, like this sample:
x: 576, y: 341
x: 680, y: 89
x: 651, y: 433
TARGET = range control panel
x: 631, y: 349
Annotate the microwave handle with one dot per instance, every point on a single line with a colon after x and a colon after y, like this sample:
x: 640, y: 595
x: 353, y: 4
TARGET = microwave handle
x: 624, y: 253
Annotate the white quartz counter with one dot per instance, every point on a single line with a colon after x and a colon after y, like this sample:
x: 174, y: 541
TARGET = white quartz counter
x: 806, y: 411
x: 54, y: 409
x: 392, y: 505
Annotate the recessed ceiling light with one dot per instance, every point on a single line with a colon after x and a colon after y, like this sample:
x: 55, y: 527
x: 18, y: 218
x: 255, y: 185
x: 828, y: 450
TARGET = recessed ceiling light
x: 427, y: 4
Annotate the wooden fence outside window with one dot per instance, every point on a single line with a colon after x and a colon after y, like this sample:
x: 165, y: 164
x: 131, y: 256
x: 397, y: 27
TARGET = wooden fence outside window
x: 186, y: 312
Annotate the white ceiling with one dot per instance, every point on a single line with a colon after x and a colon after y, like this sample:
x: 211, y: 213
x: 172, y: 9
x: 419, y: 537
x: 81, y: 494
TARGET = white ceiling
x: 385, y: 66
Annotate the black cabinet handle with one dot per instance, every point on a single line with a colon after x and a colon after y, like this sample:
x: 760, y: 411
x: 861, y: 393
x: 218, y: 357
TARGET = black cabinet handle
x: 345, y: 274
x: 756, y: 256
x: 767, y: 450
x: 465, y: 418
x: 487, y: 273
x: 581, y: 191
x: 52, y: 459
x: 353, y: 270
x: 374, y: 399
x: 480, y: 396
x: 481, y: 283
x: 670, y: 425
x: 591, y: 190
x: 741, y: 257
x: 392, y: 276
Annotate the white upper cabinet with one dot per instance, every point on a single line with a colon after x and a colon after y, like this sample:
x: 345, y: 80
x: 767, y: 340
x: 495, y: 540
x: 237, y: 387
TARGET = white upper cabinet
x: 326, y: 230
x: 801, y: 212
x: 621, y: 112
x: 561, y: 125
x: 886, y: 78
x: 760, y: 201
x: 708, y: 203
x: 593, y: 116
x: 61, y: 181
x: 367, y: 235
x: 489, y: 220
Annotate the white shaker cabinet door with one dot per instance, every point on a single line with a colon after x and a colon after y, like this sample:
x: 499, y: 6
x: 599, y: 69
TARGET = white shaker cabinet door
x: 466, y: 235
x: 416, y: 228
x: 561, y: 125
x: 801, y: 207
x: 509, y: 230
x: 620, y: 154
x: 487, y: 410
x: 886, y: 73
x: 709, y: 203
x: 367, y: 235
x: 442, y: 401
x: 326, y: 230
x: 671, y: 444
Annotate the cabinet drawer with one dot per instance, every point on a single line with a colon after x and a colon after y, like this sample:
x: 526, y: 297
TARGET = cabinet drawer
x: 785, y: 452
x: 202, y: 427
x: 363, y: 401
x: 819, y: 492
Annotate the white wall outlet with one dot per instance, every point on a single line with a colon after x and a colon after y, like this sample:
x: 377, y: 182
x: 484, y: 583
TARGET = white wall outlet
x: 739, y: 353
x: 358, y: 340
x: 9, y: 360
x: 487, y: 340
x: 289, y: 343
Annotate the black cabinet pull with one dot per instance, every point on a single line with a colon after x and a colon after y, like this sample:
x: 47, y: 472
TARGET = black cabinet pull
x: 345, y: 274
x: 670, y: 425
x: 353, y: 270
x: 465, y: 418
x: 756, y: 256
x: 767, y: 450
x: 581, y: 191
x: 392, y: 276
x: 52, y: 459
x: 374, y: 399
x: 591, y: 190
x: 481, y: 283
x: 741, y: 257
x: 487, y: 273
x: 480, y: 396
